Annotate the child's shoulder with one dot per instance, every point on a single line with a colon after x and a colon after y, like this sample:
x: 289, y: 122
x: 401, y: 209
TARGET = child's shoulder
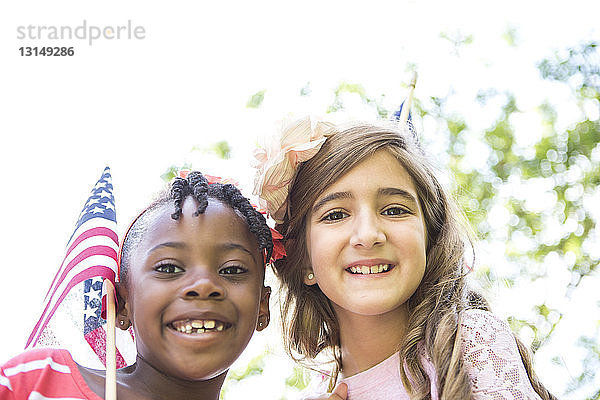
x: 39, y: 356
x: 475, y: 320
x: 48, y: 372
x: 491, y: 357
x: 485, y: 336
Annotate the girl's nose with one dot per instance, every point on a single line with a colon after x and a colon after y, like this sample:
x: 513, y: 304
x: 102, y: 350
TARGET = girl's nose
x: 203, y: 286
x: 367, y: 231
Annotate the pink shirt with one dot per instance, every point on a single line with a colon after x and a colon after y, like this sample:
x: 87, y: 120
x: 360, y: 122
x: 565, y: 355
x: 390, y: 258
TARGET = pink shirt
x: 40, y: 374
x: 382, y: 381
x: 490, y: 355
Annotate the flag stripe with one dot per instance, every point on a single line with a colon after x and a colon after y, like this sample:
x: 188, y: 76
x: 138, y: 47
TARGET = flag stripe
x: 98, y: 231
x: 98, y: 335
x: 88, y: 242
x: 109, y: 257
x: 88, y: 252
x: 89, y: 233
x: 64, y: 285
x: 99, y: 270
x: 88, y: 261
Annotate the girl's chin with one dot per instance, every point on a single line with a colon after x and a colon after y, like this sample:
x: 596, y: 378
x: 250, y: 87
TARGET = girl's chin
x: 200, y: 374
x: 189, y: 369
x: 372, y: 307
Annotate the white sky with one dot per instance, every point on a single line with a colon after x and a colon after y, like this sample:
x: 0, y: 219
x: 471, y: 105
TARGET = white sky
x: 140, y: 106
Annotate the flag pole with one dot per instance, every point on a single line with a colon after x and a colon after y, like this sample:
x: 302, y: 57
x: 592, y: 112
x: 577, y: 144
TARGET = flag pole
x: 407, y: 104
x: 110, y: 391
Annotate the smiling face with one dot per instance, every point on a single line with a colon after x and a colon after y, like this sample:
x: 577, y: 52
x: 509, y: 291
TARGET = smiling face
x: 195, y: 290
x: 366, y: 239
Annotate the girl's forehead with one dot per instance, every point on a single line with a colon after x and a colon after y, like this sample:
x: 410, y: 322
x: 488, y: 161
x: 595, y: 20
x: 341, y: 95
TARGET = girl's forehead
x: 217, y: 213
x: 380, y: 169
x: 218, y: 222
x: 216, y: 234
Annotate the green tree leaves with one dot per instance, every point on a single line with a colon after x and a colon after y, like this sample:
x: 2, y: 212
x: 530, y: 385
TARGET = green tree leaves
x: 256, y: 99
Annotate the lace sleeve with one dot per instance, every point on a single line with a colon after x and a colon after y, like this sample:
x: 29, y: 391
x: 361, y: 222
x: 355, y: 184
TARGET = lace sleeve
x: 492, y: 358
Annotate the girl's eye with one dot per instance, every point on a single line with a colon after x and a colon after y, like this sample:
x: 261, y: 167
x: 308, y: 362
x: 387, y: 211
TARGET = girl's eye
x: 335, y: 215
x: 233, y: 270
x: 168, y: 269
x: 393, y: 211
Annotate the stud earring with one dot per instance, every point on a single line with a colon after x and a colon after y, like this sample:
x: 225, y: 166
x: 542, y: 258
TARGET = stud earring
x: 121, y: 322
x: 310, y: 276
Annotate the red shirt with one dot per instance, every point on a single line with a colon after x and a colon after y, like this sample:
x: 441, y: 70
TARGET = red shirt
x: 41, y: 374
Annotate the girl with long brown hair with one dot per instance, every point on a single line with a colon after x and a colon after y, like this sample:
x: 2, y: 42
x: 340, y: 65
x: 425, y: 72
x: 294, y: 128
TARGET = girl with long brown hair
x: 375, y: 269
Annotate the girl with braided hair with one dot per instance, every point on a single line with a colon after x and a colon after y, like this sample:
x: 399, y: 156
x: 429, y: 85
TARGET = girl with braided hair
x: 191, y: 286
x: 375, y: 270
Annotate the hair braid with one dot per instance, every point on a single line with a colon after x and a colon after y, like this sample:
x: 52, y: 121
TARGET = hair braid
x: 179, y: 191
x: 199, y: 186
x: 256, y: 221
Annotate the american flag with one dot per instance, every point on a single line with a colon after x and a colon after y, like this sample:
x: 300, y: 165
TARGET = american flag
x: 409, y: 123
x: 76, y: 291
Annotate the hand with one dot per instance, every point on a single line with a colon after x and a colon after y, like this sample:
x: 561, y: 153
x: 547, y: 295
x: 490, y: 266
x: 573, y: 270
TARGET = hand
x: 339, y: 393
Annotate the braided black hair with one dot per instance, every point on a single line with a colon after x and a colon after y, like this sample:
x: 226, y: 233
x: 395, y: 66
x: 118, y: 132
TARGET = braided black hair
x: 195, y: 184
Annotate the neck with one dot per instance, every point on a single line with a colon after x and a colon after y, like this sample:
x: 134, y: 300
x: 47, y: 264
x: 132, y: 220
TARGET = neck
x: 367, y: 340
x: 149, y: 383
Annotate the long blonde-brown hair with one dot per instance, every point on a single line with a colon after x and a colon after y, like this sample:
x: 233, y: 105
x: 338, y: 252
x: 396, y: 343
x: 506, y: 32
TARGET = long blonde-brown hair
x: 309, y: 321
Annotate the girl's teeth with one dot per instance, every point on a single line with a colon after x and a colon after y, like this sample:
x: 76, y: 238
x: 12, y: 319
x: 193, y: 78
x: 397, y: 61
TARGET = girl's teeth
x: 374, y: 269
x: 198, y: 326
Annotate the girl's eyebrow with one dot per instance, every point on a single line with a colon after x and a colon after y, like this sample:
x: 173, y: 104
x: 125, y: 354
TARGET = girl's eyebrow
x: 221, y: 247
x: 175, y: 245
x: 228, y: 246
x: 331, y: 197
x: 391, y: 191
x: 233, y: 246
